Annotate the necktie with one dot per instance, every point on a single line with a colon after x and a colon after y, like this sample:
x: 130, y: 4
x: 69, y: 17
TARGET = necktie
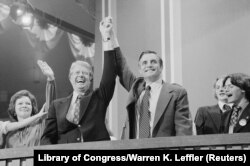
x: 144, y: 126
x: 234, y: 116
x: 227, y: 107
x: 76, y: 108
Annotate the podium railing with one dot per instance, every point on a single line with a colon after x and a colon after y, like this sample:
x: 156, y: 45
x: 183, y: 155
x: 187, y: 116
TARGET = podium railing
x: 240, y: 141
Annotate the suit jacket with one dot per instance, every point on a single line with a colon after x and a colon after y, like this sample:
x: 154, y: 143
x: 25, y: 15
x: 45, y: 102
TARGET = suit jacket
x: 243, y: 124
x: 93, y: 108
x: 172, y: 116
x: 210, y: 120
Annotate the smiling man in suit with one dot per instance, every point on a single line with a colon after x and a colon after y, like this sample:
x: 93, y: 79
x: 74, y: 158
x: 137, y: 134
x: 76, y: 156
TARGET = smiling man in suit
x: 238, y: 92
x: 211, y: 119
x: 155, y: 108
x: 80, y: 117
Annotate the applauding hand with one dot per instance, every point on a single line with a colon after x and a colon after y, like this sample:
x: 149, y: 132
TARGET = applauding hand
x: 47, y: 71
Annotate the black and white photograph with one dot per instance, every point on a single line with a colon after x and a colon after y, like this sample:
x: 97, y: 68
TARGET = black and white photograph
x: 110, y: 81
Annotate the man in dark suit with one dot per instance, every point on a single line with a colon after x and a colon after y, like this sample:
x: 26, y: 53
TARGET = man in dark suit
x: 238, y: 92
x: 80, y: 117
x: 167, y: 104
x: 211, y: 119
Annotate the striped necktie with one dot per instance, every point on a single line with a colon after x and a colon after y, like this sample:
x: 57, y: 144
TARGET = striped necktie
x: 144, y: 126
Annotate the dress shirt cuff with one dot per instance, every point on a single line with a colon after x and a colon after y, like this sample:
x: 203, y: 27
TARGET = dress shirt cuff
x: 110, y: 44
x: 115, y: 41
x: 51, y: 78
x: 107, y: 45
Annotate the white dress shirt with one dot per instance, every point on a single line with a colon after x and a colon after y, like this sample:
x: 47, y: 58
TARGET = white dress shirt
x: 154, y: 96
x: 221, y: 105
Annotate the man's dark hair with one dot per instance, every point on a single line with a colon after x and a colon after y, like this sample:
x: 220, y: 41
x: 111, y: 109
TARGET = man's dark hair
x: 151, y: 52
x: 240, y: 80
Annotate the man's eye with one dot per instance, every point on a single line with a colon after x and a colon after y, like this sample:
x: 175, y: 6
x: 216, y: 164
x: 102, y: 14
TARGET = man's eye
x: 229, y: 86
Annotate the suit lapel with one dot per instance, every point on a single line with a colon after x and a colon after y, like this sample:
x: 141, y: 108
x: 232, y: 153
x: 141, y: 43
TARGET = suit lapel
x: 163, y: 101
x: 215, y: 116
x: 64, y: 107
x: 84, y: 104
x: 135, y: 92
x: 243, y: 119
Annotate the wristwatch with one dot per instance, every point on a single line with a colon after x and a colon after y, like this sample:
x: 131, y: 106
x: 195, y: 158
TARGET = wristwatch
x: 106, y: 39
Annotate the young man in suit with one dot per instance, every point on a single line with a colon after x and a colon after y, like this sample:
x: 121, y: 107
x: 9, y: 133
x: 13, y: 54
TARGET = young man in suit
x: 238, y: 92
x: 211, y: 119
x: 80, y: 117
x: 155, y: 108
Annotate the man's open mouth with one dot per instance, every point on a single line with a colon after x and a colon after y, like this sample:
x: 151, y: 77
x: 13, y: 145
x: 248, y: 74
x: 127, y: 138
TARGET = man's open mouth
x: 80, y: 80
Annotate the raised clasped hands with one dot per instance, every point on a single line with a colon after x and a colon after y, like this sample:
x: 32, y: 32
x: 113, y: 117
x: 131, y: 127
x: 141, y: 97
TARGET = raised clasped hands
x: 106, y: 28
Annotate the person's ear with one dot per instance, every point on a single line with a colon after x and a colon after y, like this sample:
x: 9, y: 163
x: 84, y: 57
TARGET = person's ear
x: 161, y: 68
x: 90, y: 77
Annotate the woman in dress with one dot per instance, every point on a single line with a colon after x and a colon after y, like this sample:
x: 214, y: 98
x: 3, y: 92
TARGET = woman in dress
x: 27, y: 123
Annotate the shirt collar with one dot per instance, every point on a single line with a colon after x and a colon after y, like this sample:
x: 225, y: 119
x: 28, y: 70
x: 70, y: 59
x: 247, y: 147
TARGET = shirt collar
x: 221, y: 105
x: 75, y: 95
x: 156, y: 84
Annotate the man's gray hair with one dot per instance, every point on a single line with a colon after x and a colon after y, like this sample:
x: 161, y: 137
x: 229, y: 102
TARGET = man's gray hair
x: 83, y: 64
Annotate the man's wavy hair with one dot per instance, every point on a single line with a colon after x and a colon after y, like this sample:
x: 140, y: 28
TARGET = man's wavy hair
x: 240, y: 80
x: 83, y: 64
x: 151, y: 52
